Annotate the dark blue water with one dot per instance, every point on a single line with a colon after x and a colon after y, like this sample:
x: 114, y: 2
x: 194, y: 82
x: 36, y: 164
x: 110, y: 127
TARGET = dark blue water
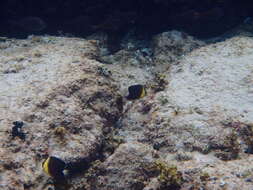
x: 201, y: 18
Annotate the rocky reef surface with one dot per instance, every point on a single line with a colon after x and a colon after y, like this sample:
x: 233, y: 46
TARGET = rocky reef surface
x: 66, y: 105
x: 193, y: 129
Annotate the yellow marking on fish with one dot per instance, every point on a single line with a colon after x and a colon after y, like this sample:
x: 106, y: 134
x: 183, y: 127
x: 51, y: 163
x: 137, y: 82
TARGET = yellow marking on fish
x: 46, y: 166
x: 143, y: 92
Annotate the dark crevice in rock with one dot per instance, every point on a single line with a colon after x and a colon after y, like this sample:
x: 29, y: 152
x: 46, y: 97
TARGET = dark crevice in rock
x: 77, y: 167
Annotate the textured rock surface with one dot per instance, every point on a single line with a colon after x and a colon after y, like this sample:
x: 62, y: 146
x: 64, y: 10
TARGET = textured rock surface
x: 51, y: 85
x: 198, y: 111
x: 197, y: 126
x: 169, y: 46
x: 124, y: 169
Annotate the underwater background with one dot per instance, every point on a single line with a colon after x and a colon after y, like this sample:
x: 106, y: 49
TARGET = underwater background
x: 200, y: 18
x: 126, y: 95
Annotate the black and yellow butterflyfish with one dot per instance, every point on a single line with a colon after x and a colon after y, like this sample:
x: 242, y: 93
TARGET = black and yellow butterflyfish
x: 54, y: 167
x: 136, y: 91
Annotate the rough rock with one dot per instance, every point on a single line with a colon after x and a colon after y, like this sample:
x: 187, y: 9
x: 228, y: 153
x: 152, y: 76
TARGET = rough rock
x: 198, y: 112
x: 125, y: 168
x: 197, y: 128
x: 170, y: 46
x: 66, y: 105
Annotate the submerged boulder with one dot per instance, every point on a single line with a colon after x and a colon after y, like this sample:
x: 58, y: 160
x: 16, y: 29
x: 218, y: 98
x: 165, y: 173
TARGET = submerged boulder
x: 53, y: 86
x: 192, y: 130
x: 203, y: 116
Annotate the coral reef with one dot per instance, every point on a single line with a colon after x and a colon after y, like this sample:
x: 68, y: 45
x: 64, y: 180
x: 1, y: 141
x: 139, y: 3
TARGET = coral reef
x: 168, y: 176
x: 66, y: 97
x: 63, y: 102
